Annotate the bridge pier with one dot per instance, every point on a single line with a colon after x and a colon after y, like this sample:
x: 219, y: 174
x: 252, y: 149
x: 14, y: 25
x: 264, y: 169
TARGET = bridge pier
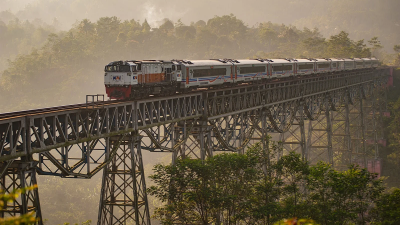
x: 123, y: 195
x: 294, y: 139
x: 193, y: 139
x: 21, y: 174
x: 341, y: 136
x: 67, y: 141
x: 319, y: 141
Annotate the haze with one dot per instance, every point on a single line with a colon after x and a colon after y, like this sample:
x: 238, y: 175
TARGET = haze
x: 51, y: 56
x: 361, y: 18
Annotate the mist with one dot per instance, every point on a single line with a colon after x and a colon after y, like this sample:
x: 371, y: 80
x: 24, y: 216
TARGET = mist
x: 361, y: 18
x: 50, y: 55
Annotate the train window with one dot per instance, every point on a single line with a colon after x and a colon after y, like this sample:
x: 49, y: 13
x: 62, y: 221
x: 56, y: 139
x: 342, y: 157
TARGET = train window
x: 209, y: 72
x: 359, y: 63
x: 306, y: 66
x: 178, y: 67
x: 173, y: 67
x: 168, y: 70
x: 277, y: 68
x: 333, y: 65
x: 348, y: 64
x: 287, y: 67
x: 323, y: 65
x: 122, y: 68
x: 109, y: 69
x: 255, y: 69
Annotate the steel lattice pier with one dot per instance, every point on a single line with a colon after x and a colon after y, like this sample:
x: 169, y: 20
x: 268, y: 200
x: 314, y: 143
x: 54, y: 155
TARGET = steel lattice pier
x: 334, y: 117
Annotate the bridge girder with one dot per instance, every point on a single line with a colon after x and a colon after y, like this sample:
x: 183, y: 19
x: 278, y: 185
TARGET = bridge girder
x: 322, y: 109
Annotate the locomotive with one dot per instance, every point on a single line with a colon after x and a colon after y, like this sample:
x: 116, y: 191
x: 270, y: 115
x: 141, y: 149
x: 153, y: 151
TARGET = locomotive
x: 134, y: 79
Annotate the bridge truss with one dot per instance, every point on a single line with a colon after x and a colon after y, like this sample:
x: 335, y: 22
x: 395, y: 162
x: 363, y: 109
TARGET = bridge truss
x: 335, y: 117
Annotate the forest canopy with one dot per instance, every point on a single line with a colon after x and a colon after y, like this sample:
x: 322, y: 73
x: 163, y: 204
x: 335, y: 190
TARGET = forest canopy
x: 42, y: 66
x: 66, y: 66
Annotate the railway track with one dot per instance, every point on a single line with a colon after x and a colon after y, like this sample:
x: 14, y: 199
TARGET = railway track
x: 11, y: 115
x: 18, y: 114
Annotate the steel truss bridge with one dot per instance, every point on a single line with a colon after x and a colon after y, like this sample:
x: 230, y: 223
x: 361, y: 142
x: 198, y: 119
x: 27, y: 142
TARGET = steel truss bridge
x: 334, y: 117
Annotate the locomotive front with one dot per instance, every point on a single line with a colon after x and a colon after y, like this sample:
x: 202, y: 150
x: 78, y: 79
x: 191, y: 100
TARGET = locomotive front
x: 119, y: 77
x: 137, y: 79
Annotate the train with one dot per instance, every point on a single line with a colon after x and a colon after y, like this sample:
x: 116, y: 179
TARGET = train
x: 135, y: 79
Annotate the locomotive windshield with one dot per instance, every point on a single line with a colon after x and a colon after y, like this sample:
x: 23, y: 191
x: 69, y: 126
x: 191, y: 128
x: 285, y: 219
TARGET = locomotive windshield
x: 121, y: 68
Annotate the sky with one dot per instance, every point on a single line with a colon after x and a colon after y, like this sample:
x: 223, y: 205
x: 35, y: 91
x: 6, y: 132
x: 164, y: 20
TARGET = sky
x: 70, y: 11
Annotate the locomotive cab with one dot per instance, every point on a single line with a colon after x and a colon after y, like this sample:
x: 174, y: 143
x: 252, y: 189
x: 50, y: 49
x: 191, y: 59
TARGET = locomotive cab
x: 139, y: 78
x: 117, y: 79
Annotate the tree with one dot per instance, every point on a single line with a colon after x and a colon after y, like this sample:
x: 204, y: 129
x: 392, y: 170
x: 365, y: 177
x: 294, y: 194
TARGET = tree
x: 340, y: 45
x: 259, y: 188
x: 226, y: 25
x: 107, y: 28
x: 146, y: 27
x: 28, y: 218
x: 337, y: 197
x: 376, y: 46
x: 167, y: 25
x: 396, y: 48
x: 86, y: 26
x: 387, y: 209
x: 263, y: 204
x: 186, y: 187
x: 294, y: 171
x: 200, y: 23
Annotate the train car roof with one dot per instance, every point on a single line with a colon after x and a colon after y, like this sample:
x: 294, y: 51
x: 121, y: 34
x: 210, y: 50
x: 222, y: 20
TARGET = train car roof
x: 323, y: 60
x: 367, y: 59
x: 281, y: 61
x: 207, y: 62
x: 305, y: 61
x: 249, y: 61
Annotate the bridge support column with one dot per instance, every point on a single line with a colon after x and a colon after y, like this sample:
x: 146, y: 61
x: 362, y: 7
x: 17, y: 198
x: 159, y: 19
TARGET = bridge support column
x: 194, y: 139
x: 328, y: 116
x: 347, y: 145
x: 295, y: 138
x: 21, y: 174
x: 123, y: 196
x: 341, y: 138
x: 362, y: 115
x: 319, y: 143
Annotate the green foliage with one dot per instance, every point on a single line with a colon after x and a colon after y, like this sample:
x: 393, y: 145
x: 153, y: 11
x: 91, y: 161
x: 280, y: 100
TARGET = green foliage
x: 387, y: 210
x: 68, y: 65
x: 259, y: 188
x: 28, y: 218
x: 341, y: 196
x: 341, y: 46
x: 19, y: 37
x: 390, y: 154
x: 295, y: 221
x: 396, y: 48
x: 88, y: 222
